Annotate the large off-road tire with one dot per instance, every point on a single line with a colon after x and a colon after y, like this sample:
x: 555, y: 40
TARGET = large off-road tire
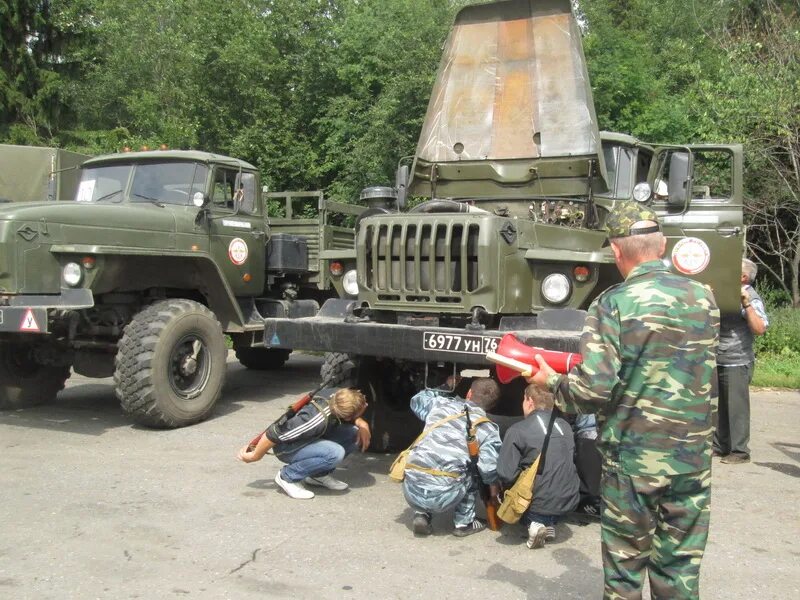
x: 337, y: 370
x: 170, y: 364
x: 23, y: 381
x: 262, y: 359
x: 392, y: 424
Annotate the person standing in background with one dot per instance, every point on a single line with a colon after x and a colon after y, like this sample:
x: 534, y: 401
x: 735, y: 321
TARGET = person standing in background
x: 735, y: 361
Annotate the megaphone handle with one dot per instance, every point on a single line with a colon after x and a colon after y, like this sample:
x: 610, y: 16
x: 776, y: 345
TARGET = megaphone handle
x: 525, y: 369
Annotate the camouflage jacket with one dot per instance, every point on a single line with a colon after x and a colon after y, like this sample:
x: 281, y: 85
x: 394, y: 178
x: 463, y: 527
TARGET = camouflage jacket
x: 648, y: 348
x: 445, y: 448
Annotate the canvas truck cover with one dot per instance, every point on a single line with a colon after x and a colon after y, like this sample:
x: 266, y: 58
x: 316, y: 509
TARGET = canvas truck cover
x: 34, y: 174
x: 511, y: 112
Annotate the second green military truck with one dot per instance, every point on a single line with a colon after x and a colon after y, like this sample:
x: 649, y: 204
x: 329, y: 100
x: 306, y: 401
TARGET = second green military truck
x: 517, y: 182
x: 159, y: 256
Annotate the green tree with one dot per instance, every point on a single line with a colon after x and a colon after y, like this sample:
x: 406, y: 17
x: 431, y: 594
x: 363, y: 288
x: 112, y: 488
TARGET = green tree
x: 756, y: 99
x: 42, y: 51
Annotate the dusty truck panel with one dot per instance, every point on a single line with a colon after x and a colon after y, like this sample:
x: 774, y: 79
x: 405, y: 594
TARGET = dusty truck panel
x: 35, y: 174
x: 159, y: 255
x: 511, y: 238
x: 511, y: 108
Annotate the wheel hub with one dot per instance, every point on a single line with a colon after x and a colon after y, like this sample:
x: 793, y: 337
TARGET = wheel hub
x: 189, y: 367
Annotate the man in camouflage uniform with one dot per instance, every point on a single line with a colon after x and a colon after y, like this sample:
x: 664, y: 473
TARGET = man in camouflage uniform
x: 438, y: 475
x: 648, y: 348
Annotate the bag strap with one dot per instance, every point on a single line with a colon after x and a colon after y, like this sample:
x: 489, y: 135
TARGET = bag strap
x: 422, y: 435
x: 477, y: 422
x: 543, y: 454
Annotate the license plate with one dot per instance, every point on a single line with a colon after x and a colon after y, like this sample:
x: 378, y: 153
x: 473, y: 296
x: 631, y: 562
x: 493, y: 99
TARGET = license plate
x: 456, y: 342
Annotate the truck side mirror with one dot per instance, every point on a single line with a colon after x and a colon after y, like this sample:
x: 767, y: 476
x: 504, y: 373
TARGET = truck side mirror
x: 678, y: 178
x: 400, y: 183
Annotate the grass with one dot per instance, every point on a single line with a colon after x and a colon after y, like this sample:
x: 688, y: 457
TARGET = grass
x: 777, y: 370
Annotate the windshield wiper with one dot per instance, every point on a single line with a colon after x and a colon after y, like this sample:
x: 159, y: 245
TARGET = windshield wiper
x: 155, y: 201
x: 109, y: 195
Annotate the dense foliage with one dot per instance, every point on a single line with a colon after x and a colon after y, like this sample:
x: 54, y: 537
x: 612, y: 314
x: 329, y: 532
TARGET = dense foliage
x: 329, y: 94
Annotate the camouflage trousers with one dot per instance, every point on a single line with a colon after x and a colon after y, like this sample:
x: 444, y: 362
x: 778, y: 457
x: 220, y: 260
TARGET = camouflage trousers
x: 460, y: 495
x: 658, y: 524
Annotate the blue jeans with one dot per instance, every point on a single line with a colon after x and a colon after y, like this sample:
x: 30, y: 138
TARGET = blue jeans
x: 317, y: 457
x: 546, y: 520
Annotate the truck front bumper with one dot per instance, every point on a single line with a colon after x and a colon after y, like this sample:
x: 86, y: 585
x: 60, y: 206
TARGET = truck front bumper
x: 330, y: 331
x: 29, y: 313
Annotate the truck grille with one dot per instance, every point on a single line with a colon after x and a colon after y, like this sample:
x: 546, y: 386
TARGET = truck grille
x: 434, y: 261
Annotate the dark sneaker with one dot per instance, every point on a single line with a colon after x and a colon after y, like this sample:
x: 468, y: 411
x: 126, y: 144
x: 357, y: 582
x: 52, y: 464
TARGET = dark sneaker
x: 589, y: 510
x: 422, y: 524
x: 717, y: 453
x: 550, y: 534
x: 474, y: 527
x: 735, y: 459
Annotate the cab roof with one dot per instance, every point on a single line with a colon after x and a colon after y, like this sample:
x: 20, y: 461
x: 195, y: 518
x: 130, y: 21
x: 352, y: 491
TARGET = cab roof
x: 170, y: 155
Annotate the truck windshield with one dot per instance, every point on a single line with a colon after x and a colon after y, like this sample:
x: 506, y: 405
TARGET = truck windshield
x: 619, y: 162
x: 168, y: 183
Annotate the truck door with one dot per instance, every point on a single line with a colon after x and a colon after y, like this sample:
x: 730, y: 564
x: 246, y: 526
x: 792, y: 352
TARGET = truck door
x: 698, y: 197
x: 237, y: 229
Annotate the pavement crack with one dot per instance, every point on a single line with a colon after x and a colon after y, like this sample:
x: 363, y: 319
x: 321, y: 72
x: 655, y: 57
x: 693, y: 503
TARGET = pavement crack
x: 247, y: 562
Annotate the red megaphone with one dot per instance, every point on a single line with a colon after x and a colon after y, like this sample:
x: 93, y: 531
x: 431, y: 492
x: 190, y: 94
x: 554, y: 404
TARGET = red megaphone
x: 514, y: 358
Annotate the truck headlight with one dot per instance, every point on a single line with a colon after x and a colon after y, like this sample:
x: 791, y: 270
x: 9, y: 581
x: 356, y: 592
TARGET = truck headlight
x: 556, y: 288
x: 350, y: 283
x: 72, y: 274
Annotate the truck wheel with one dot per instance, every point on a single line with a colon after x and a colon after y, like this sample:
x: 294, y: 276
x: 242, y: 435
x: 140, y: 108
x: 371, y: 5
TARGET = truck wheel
x: 337, y: 371
x: 388, y: 391
x: 262, y: 359
x: 23, y: 381
x: 170, y: 364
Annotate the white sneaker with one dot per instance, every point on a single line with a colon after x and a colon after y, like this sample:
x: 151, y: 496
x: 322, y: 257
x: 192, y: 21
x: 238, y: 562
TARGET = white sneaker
x: 326, y: 481
x: 292, y: 489
x: 536, y: 535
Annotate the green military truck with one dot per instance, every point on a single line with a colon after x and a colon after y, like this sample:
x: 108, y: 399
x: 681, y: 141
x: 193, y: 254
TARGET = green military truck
x: 33, y: 174
x: 159, y: 256
x: 511, y: 238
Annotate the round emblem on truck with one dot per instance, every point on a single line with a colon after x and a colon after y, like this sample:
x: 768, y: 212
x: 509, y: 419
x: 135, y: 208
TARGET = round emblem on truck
x: 237, y: 251
x: 691, y: 256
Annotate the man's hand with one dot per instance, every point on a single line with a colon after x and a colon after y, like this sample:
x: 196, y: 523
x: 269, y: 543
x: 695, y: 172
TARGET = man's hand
x: 540, y: 377
x: 745, y: 296
x: 364, y: 435
x: 246, y: 455
x: 453, y: 381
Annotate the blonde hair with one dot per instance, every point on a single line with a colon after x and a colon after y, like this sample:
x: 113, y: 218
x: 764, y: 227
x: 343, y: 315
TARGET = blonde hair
x: 542, y: 399
x: 347, y: 403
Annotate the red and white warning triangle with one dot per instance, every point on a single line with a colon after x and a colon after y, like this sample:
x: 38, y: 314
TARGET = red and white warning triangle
x: 29, y: 322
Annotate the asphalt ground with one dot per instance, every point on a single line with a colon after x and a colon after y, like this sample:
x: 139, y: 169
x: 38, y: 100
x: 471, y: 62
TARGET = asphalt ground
x: 94, y: 507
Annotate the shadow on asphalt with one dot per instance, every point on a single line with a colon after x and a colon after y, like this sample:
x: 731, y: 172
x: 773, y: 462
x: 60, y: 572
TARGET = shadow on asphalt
x: 92, y: 408
x: 785, y: 468
x: 790, y: 450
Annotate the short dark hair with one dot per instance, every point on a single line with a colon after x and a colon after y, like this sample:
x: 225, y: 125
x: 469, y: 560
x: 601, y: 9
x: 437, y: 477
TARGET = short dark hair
x: 485, y: 393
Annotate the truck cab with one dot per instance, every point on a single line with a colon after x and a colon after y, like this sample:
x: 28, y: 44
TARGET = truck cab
x: 160, y: 255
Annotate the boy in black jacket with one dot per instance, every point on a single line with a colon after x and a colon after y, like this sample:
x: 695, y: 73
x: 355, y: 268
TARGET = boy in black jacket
x: 314, y: 441
x: 555, y: 490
